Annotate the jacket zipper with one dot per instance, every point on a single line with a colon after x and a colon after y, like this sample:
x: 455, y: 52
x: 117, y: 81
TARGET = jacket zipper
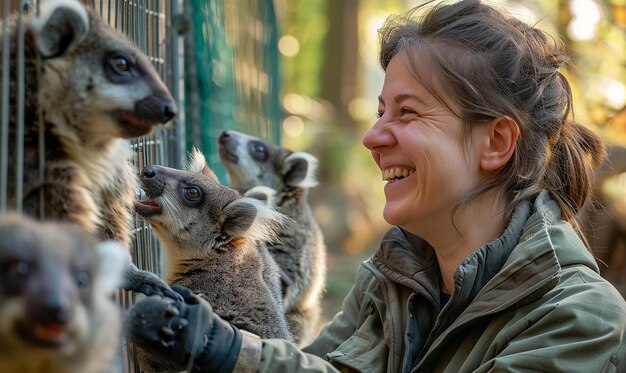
x: 460, y: 323
x: 392, y: 321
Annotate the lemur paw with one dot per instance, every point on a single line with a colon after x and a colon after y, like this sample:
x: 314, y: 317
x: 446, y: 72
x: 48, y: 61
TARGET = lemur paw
x: 150, y: 288
x: 155, y: 320
x: 148, y: 283
x: 154, y: 324
x: 170, y: 332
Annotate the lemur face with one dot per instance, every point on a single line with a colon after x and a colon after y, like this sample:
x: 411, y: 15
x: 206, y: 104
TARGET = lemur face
x: 49, y: 280
x: 191, y: 207
x: 251, y: 161
x: 93, y: 78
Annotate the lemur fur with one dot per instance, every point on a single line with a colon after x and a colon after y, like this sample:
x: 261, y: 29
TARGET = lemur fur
x: 215, y: 244
x: 87, y: 90
x: 257, y: 167
x: 57, y: 314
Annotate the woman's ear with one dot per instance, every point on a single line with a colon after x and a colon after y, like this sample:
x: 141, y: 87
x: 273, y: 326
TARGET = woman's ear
x: 499, y: 143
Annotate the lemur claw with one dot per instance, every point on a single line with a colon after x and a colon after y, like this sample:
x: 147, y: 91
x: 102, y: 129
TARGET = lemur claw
x: 158, y: 288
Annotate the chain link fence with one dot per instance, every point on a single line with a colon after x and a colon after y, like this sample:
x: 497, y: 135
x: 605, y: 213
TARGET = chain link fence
x: 219, y: 59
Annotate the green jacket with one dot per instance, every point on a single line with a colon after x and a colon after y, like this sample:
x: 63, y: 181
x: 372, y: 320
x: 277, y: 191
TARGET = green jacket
x: 530, y: 301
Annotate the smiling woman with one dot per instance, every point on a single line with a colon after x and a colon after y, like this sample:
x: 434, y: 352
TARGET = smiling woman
x: 418, y: 134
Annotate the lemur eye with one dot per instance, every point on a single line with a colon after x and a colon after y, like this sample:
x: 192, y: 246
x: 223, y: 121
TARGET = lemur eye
x: 82, y: 278
x: 20, y: 269
x: 192, y: 193
x: 258, y: 150
x: 120, y: 63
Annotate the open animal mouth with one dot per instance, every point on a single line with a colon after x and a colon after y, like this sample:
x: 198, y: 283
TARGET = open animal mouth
x: 146, y: 207
x: 45, y: 335
x: 132, y: 125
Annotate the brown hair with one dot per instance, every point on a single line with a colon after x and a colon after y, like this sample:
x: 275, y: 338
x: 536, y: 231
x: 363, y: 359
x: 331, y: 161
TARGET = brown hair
x: 495, y: 66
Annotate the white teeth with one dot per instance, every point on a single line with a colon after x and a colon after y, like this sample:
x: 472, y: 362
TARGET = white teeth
x: 394, y: 173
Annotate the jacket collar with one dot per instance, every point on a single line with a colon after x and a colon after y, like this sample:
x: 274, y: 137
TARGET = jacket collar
x: 527, y: 257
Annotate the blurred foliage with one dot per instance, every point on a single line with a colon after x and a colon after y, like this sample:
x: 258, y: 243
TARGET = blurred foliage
x: 306, y: 21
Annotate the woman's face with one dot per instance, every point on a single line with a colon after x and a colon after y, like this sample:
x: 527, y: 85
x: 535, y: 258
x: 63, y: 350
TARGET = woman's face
x: 417, y: 145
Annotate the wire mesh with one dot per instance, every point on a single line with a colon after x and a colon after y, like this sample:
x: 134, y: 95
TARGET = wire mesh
x: 146, y: 23
x: 231, y: 72
x: 243, y: 53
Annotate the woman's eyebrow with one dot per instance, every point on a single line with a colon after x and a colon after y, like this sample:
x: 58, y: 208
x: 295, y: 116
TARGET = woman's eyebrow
x: 408, y: 96
x: 404, y: 96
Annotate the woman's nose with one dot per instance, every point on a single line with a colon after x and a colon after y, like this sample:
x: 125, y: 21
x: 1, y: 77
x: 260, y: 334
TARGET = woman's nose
x: 378, y: 135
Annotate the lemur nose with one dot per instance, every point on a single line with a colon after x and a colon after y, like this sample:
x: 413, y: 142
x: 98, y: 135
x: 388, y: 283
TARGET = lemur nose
x: 58, y: 313
x: 149, y: 172
x: 53, y: 310
x: 169, y: 112
x: 225, y: 135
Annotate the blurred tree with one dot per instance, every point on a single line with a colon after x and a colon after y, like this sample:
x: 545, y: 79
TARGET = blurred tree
x: 340, y: 72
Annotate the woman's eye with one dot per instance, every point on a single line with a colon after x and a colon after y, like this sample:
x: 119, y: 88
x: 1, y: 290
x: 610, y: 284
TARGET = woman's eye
x: 379, y: 114
x: 192, y: 193
x: 405, y: 111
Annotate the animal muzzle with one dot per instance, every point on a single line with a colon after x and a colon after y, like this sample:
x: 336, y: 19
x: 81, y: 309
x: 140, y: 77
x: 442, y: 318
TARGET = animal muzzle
x: 151, y: 111
x: 153, y: 184
x: 157, y: 109
x: 228, y: 143
x: 48, y: 318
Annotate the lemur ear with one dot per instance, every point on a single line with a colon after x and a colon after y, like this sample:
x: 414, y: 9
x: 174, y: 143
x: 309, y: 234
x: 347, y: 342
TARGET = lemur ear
x: 197, y: 163
x: 299, y: 170
x: 113, y: 261
x: 61, y: 26
x: 238, y: 218
x: 255, y: 219
x: 262, y: 193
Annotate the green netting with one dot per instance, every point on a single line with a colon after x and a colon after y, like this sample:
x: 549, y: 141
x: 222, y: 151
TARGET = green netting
x: 231, y: 73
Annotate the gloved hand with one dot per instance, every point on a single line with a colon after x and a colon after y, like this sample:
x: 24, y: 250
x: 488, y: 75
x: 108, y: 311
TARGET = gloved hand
x: 183, y: 335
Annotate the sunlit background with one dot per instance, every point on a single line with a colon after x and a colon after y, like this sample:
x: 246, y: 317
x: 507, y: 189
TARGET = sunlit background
x: 330, y: 80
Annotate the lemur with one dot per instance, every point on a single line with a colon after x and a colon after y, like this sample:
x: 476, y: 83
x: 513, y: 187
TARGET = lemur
x: 57, y: 314
x: 87, y: 90
x: 215, y: 244
x: 253, y: 166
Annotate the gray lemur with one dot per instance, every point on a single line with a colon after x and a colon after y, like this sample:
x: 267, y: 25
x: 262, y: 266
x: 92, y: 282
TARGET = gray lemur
x: 57, y: 314
x: 87, y: 90
x: 257, y: 167
x: 215, y: 244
